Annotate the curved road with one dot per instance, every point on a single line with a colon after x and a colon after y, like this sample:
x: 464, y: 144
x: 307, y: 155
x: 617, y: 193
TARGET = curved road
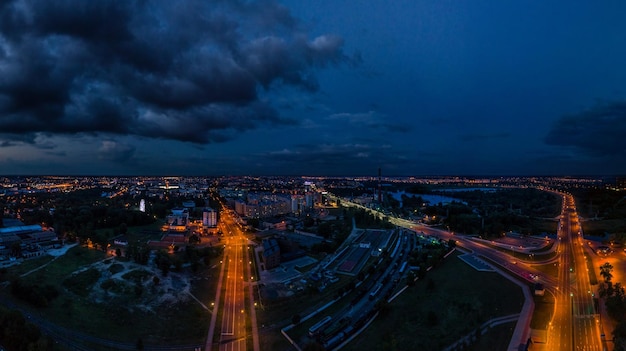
x: 575, y: 324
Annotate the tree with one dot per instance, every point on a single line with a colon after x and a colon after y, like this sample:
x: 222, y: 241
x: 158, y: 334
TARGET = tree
x: 139, y: 344
x: 606, y: 272
x: 606, y: 290
x: 615, y: 301
x: 619, y: 335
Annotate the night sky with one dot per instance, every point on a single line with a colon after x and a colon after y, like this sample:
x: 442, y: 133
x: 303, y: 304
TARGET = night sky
x: 324, y: 87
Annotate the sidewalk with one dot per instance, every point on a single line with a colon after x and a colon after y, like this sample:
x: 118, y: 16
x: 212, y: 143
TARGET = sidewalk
x: 606, y: 327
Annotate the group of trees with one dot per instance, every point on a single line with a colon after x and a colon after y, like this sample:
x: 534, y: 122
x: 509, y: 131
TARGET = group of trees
x: 85, y: 220
x: 81, y: 214
x: 85, y: 213
x: 337, y: 231
x: 486, y: 213
x: 601, y: 203
x: 491, y: 213
x: 17, y: 334
x: 614, y: 297
x: 608, y: 210
x: 191, y: 255
x: 613, y: 293
x: 366, y: 219
x: 37, y: 295
x: 430, y: 255
x: 138, y: 252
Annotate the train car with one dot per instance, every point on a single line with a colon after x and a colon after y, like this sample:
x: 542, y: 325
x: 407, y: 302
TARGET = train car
x: 317, y: 327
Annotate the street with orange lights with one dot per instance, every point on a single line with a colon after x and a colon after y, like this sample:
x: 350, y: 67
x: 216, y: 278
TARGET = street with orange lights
x: 237, y: 318
x: 575, y: 324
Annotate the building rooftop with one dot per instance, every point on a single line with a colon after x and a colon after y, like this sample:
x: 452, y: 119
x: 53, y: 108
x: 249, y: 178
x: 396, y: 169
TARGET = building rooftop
x: 270, y: 247
x: 21, y: 229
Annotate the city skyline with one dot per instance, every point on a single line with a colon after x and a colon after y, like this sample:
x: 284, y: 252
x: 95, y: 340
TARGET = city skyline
x: 324, y: 88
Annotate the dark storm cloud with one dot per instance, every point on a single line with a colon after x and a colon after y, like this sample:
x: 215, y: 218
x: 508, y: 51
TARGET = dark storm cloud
x: 7, y: 140
x: 336, y: 159
x: 36, y: 140
x: 183, y: 70
x: 330, y: 154
x: 111, y: 150
x: 598, y: 131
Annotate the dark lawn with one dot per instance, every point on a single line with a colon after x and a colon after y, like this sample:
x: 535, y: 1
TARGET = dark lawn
x: 460, y: 299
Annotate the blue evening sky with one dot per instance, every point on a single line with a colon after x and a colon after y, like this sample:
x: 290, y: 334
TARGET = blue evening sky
x: 313, y: 87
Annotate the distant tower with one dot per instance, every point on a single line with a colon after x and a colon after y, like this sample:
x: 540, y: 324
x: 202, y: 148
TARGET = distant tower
x: 380, y: 191
x: 142, y: 205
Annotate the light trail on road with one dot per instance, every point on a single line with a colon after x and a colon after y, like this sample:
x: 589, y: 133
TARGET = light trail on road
x: 230, y: 301
x: 235, y: 315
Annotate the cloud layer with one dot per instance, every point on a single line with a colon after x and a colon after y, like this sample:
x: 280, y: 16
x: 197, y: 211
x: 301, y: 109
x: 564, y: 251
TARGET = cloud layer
x: 598, y: 131
x: 188, y: 71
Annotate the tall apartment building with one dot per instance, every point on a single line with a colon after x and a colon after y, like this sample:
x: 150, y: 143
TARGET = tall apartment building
x: 209, y: 217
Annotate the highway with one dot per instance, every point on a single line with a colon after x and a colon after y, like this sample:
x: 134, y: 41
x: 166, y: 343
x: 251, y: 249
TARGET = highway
x: 575, y: 324
x: 233, y: 327
x: 236, y: 317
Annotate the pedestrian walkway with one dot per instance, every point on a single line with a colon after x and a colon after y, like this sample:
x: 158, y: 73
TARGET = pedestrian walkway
x: 476, y: 263
x: 484, y: 328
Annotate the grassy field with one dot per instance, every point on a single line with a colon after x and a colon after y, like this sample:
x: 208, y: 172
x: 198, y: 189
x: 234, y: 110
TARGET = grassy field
x: 63, y: 266
x: 543, y: 225
x: 28, y: 265
x: 424, y: 318
x: 599, y: 227
x: 174, y: 323
x: 593, y: 278
x: 497, y: 338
